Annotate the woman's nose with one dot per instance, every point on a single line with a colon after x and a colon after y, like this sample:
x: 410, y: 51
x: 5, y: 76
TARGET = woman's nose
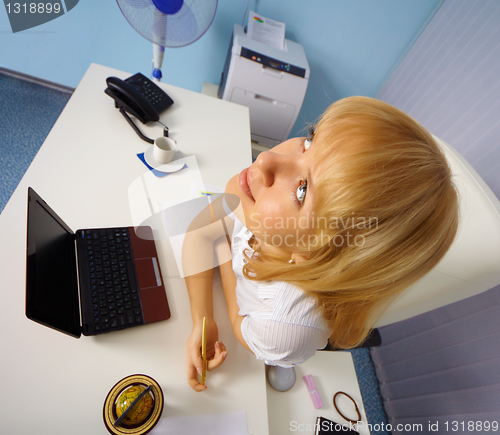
x: 270, y: 164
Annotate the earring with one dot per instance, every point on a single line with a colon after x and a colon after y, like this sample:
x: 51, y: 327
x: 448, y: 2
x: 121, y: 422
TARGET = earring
x: 292, y: 261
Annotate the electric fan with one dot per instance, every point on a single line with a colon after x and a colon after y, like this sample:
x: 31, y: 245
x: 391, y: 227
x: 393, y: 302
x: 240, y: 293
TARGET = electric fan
x: 168, y: 23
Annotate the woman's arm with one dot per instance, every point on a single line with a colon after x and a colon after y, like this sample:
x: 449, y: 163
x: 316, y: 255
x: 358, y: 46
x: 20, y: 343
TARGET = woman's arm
x: 198, y: 263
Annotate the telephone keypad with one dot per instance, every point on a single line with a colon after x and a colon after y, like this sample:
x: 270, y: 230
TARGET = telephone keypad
x: 156, y: 96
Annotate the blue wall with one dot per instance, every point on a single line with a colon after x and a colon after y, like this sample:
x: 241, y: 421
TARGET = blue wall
x: 351, y: 45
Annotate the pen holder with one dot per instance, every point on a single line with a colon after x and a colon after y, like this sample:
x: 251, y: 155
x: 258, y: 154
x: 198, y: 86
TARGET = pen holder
x: 313, y: 391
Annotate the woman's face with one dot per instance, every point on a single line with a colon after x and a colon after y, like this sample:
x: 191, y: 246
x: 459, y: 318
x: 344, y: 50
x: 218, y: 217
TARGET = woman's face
x: 277, y: 195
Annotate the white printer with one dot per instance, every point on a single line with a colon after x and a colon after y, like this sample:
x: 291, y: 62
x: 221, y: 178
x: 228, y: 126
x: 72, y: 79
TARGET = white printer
x: 271, y: 82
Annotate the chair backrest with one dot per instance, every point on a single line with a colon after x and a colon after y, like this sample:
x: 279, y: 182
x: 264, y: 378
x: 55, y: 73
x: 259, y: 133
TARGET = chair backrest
x: 472, y: 265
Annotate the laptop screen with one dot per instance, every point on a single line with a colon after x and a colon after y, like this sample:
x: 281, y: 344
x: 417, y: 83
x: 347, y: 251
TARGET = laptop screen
x: 51, y: 277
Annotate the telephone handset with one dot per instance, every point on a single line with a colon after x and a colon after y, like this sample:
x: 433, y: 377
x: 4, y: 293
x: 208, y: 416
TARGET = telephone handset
x: 140, y: 97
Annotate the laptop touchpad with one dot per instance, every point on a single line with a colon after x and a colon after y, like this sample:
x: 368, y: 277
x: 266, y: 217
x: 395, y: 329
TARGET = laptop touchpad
x: 148, y: 272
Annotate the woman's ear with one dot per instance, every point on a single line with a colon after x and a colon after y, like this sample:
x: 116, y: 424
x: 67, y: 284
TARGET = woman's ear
x: 298, y: 258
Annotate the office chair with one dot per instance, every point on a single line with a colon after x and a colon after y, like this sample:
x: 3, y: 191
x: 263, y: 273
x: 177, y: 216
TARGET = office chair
x: 472, y: 265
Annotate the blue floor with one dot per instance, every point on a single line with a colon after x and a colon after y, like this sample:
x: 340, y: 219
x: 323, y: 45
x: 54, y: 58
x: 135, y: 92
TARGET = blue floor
x: 28, y: 110
x: 368, y: 385
x: 27, y: 113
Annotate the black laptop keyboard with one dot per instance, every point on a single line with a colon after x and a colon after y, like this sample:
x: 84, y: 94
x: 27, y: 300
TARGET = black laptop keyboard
x: 115, y: 298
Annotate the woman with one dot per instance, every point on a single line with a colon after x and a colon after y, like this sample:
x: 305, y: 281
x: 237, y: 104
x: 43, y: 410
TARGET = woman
x: 329, y: 229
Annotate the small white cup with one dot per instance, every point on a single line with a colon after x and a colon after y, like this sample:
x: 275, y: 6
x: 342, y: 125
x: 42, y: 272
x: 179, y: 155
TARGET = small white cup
x: 164, y: 150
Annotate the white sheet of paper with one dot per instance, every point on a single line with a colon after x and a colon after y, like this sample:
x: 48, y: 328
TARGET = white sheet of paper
x: 230, y: 423
x: 185, y: 211
x: 265, y: 30
x: 148, y: 193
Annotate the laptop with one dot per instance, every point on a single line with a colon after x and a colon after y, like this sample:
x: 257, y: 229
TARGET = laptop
x: 92, y: 281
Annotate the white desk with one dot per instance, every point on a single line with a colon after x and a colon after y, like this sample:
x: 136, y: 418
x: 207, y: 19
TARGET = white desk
x: 293, y: 412
x: 54, y: 384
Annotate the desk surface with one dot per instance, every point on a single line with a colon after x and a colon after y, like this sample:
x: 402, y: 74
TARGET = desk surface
x: 293, y: 411
x: 55, y: 384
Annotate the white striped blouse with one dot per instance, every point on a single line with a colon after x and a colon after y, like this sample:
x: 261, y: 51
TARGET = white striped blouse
x: 282, y: 325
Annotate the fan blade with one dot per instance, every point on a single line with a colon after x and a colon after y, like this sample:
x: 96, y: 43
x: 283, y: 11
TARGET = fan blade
x: 178, y: 29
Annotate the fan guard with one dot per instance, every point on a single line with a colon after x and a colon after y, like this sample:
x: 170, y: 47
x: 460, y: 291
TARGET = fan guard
x: 169, y: 23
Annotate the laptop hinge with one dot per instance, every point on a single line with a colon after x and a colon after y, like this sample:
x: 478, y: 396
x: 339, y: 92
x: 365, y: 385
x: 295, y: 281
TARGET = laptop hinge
x: 83, y: 328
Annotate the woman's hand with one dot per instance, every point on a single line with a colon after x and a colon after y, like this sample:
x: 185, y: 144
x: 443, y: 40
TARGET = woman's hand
x: 216, y: 352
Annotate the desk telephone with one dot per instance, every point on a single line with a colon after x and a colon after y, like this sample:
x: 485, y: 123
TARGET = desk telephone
x: 140, y: 97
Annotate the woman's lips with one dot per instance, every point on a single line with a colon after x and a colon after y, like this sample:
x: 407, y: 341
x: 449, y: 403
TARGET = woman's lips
x: 244, y: 184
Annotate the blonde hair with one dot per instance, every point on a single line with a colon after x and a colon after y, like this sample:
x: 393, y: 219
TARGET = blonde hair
x: 386, y: 204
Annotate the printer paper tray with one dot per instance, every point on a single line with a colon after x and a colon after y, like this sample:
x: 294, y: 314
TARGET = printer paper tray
x: 268, y: 118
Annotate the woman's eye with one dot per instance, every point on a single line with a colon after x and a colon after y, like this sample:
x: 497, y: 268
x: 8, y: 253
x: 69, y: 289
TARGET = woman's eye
x: 309, y: 139
x: 301, y: 192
